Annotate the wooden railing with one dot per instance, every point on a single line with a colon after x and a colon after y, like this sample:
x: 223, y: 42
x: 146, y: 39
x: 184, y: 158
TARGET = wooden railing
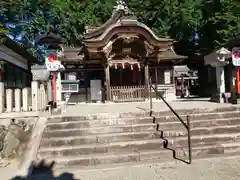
x: 128, y: 93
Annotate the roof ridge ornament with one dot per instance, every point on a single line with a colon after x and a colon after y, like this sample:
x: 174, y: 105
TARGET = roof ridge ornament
x: 122, y: 6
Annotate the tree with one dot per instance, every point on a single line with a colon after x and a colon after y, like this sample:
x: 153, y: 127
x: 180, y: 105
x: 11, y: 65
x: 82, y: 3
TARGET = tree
x: 215, y: 21
x: 9, y: 15
x: 177, y: 19
x: 72, y: 16
x: 220, y: 23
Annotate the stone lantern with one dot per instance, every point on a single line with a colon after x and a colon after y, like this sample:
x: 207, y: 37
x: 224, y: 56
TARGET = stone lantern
x: 218, y: 59
x: 40, y: 73
x: 54, y: 50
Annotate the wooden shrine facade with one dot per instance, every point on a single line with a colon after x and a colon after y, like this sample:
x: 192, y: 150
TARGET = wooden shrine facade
x: 124, y: 53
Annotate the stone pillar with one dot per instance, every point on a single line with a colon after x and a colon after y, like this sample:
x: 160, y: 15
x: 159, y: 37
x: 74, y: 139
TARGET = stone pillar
x: 49, y: 92
x: 2, y: 97
x: 35, y: 101
x: 170, y: 94
x: 220, y: 84
x: 9, y: 100
x: 17, y: 100
x: 25, y: 99
x: 42, y: 97
x: 59, y: 88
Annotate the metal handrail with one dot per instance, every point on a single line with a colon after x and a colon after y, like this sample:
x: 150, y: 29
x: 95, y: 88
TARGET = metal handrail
x: 187, y: 126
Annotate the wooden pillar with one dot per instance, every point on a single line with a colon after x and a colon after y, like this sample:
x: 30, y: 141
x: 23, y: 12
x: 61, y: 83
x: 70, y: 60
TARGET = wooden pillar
x: 121, y: 78
x: 146, y: 73
x: 86, y: 79
x: 182, y: 87
x: 107, y: 83
x: 156, y: 80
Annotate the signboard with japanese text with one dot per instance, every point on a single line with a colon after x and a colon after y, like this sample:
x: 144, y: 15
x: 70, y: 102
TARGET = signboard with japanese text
x: 236, y: 56
x: 95, y: 87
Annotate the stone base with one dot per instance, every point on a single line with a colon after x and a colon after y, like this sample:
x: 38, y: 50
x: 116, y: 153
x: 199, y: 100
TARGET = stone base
x: 218, y: 97
x: 170, y: 96
x: 236, y: 101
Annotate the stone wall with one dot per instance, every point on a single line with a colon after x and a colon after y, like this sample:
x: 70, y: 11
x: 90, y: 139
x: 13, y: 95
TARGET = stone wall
x: 14, y: 136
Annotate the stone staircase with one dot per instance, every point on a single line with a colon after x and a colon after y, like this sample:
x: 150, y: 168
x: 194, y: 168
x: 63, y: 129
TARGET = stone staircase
x: 133, y: 137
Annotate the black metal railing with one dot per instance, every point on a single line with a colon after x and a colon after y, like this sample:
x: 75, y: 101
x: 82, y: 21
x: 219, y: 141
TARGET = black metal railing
x: 187, y: 126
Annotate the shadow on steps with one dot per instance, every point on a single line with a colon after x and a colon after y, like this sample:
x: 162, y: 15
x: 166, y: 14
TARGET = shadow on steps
x: 42, y: 171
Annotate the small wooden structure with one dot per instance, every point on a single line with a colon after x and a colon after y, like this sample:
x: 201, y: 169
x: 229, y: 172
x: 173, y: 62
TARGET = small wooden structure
x: 15, y: 64
x: 123, y: 53
x: 186, y: 81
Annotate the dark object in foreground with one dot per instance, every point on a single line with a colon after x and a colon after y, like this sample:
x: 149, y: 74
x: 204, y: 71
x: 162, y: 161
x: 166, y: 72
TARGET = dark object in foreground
x: 43, y: 171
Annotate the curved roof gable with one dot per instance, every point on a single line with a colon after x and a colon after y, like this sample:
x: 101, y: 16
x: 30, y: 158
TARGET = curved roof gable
x: 115, y: 17
x: 122, y: 21
x: 126, y: 26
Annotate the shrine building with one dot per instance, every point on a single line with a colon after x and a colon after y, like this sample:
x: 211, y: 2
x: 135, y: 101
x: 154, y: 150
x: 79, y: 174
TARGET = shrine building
x: 117, y: 62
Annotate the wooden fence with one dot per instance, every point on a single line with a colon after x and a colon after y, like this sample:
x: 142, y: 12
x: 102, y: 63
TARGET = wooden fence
x: 128, y: 93
x: 23, y: 100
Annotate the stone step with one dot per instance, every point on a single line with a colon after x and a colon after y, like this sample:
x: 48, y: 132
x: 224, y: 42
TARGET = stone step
x: 130, y: 136
x: 201, y: 140
x: 96, y: 139
x: 162, y: 125
x: 203, y: 116
x: 154, y: 144
x: 109, y: 158
x: 170, y: 126
x: 205, y: 120
x: 206, y: 150
x: 97, y: 123
x: 176, y: 126
x: 198, y: 131
x: 148, y: 144
x: 99, y: 130
x: 162, y: 155
x: 131, y: 120
x: 143, y: 114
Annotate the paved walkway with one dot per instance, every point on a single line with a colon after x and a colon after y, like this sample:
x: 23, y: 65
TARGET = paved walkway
x: 95, y: 108
x: 211, y: 169
x: 205, y: 169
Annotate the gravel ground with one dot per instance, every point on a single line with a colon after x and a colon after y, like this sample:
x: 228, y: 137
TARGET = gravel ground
x: 206, y: 169
x: 8, y: 168
x: 211, y: 169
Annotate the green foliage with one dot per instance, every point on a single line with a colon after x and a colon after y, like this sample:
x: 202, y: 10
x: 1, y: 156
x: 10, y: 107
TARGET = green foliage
x: 216, y: 21
x: 220, y: 22
x: 3, y: 30
x: 72, y: 16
